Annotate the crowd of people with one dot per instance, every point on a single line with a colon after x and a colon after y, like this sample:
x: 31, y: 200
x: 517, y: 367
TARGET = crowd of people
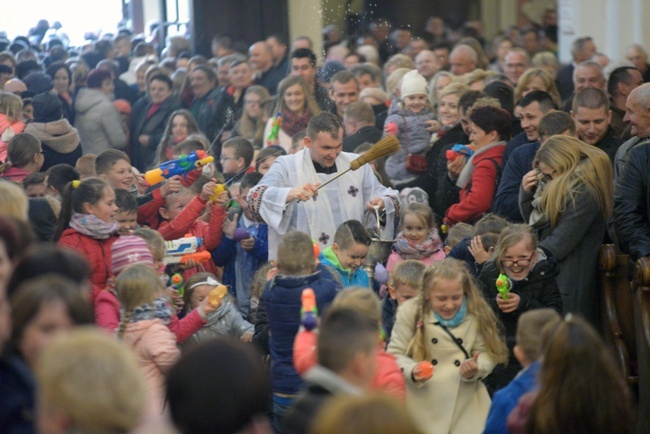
x: 183, y: 248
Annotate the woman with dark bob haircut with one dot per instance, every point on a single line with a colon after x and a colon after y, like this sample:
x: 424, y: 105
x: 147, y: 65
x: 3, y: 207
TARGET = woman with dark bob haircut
x: 476, y: 183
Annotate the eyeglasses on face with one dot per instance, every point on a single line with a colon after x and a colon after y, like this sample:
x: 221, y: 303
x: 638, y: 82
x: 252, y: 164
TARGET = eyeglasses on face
x: 508, y: 263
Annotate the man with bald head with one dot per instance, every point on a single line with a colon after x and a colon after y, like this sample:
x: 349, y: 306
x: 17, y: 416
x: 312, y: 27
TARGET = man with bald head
x: 261, y: 61
x: 426, y: 64
x: 463, y: 59
x: 516, y: 62
x: 631, y: 204
x: 639, y: 58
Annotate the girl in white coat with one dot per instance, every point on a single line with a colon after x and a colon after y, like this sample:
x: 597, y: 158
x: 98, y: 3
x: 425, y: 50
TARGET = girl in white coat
x: 446, y: 340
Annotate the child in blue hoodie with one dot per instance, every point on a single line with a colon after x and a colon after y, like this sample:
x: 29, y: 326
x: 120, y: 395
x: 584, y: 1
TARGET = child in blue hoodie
x: 241, y: 258
x: 348, y: 253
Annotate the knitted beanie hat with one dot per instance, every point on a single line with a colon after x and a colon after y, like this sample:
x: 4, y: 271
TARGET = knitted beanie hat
x: 413, y: 84
x: 127, y: 250
x: 47, y: 108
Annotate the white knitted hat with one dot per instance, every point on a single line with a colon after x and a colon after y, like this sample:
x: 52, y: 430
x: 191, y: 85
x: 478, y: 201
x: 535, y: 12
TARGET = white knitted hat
x: 413, y: 84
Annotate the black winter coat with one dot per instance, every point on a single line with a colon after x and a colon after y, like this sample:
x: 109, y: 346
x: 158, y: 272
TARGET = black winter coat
x: 143, y: 157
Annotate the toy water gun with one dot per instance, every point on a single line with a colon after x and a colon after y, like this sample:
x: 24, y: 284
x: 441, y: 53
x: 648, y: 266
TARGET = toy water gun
x: 504, y: 285
x: 177, y: 283
x: 218, y: 189
x: 381, y: 273
x: 458, y: 150
x: 309, y: 311
x: 183, y: 249
x: 275, y: 130
x: 241, y: 234
x: 216, y: 296
x: 180, y: 166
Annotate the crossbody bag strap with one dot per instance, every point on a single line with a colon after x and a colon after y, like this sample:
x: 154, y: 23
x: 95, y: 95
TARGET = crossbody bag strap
x: 455, y: 339
x: 406, y: 131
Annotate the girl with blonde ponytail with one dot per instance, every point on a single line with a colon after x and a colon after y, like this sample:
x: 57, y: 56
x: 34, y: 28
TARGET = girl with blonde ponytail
x: 448, y: 329
x: 145, y: 315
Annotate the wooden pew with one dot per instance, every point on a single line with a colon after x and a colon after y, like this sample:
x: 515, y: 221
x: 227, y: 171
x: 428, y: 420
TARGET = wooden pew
x: 617, y: 300
x: 641, y: 287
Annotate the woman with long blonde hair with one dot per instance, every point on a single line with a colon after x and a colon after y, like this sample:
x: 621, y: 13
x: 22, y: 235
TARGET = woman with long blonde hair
x: 567, y: 198
x: 451, y: 331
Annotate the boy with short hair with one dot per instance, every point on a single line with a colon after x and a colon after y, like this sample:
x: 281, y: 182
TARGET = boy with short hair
x: 279, y: 311
x: 348, y: 253
x: 528, y: 352
x: 114, y: 166
x: 241, y: 257
x: 236, y: 157
x: 86, y: 166
x: 347, y: 362
x: 405, y: 282
x: 127, y: 211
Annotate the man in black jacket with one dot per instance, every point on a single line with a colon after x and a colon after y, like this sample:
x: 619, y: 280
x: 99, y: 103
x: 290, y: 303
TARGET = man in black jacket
x: 359, y: 124
x: 632, y: 193
x: 347, y: 345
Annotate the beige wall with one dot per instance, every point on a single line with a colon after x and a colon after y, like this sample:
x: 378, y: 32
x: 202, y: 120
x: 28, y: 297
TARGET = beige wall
x: 305, y: 18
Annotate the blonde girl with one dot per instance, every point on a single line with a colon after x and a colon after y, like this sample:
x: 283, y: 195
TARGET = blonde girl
x: 11, y: 112
x: 145, y: 314
x: 225, y: 320
x: 533, y: 275
x: 450, y: 328
x: 418, y: 239
x: 570, y: 214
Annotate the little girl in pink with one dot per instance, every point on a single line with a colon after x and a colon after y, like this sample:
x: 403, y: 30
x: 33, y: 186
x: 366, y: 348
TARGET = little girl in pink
x: 418, y: 239
x: 11, y: 112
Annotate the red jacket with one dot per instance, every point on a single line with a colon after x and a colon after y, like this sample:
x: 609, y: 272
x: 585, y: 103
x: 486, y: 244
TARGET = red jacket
x: 148, y: 212
x: 96, y: 252
x: 187, y: 222
x: 476, y: 198
x: 388, y: 378
x: 107, y: 316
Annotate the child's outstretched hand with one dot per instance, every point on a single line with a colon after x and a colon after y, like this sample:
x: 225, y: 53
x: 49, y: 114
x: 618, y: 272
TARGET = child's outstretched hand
x: 207, y: 190
x: 509, y: 305
x: 248, y: 243
x: 422, y: 371
x: 469, y: 368
x: 477, y: 250
x: 206, y: 308
x: 432, y: 125
x: 176, y: 299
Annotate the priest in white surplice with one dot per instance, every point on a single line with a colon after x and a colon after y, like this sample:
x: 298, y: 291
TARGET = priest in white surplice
x: 287, y: 198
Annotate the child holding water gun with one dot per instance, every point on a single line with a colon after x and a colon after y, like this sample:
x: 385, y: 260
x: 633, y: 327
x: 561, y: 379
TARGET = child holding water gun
x: 527, y: 276
x: 225, y: 320
x: 446, y: 341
